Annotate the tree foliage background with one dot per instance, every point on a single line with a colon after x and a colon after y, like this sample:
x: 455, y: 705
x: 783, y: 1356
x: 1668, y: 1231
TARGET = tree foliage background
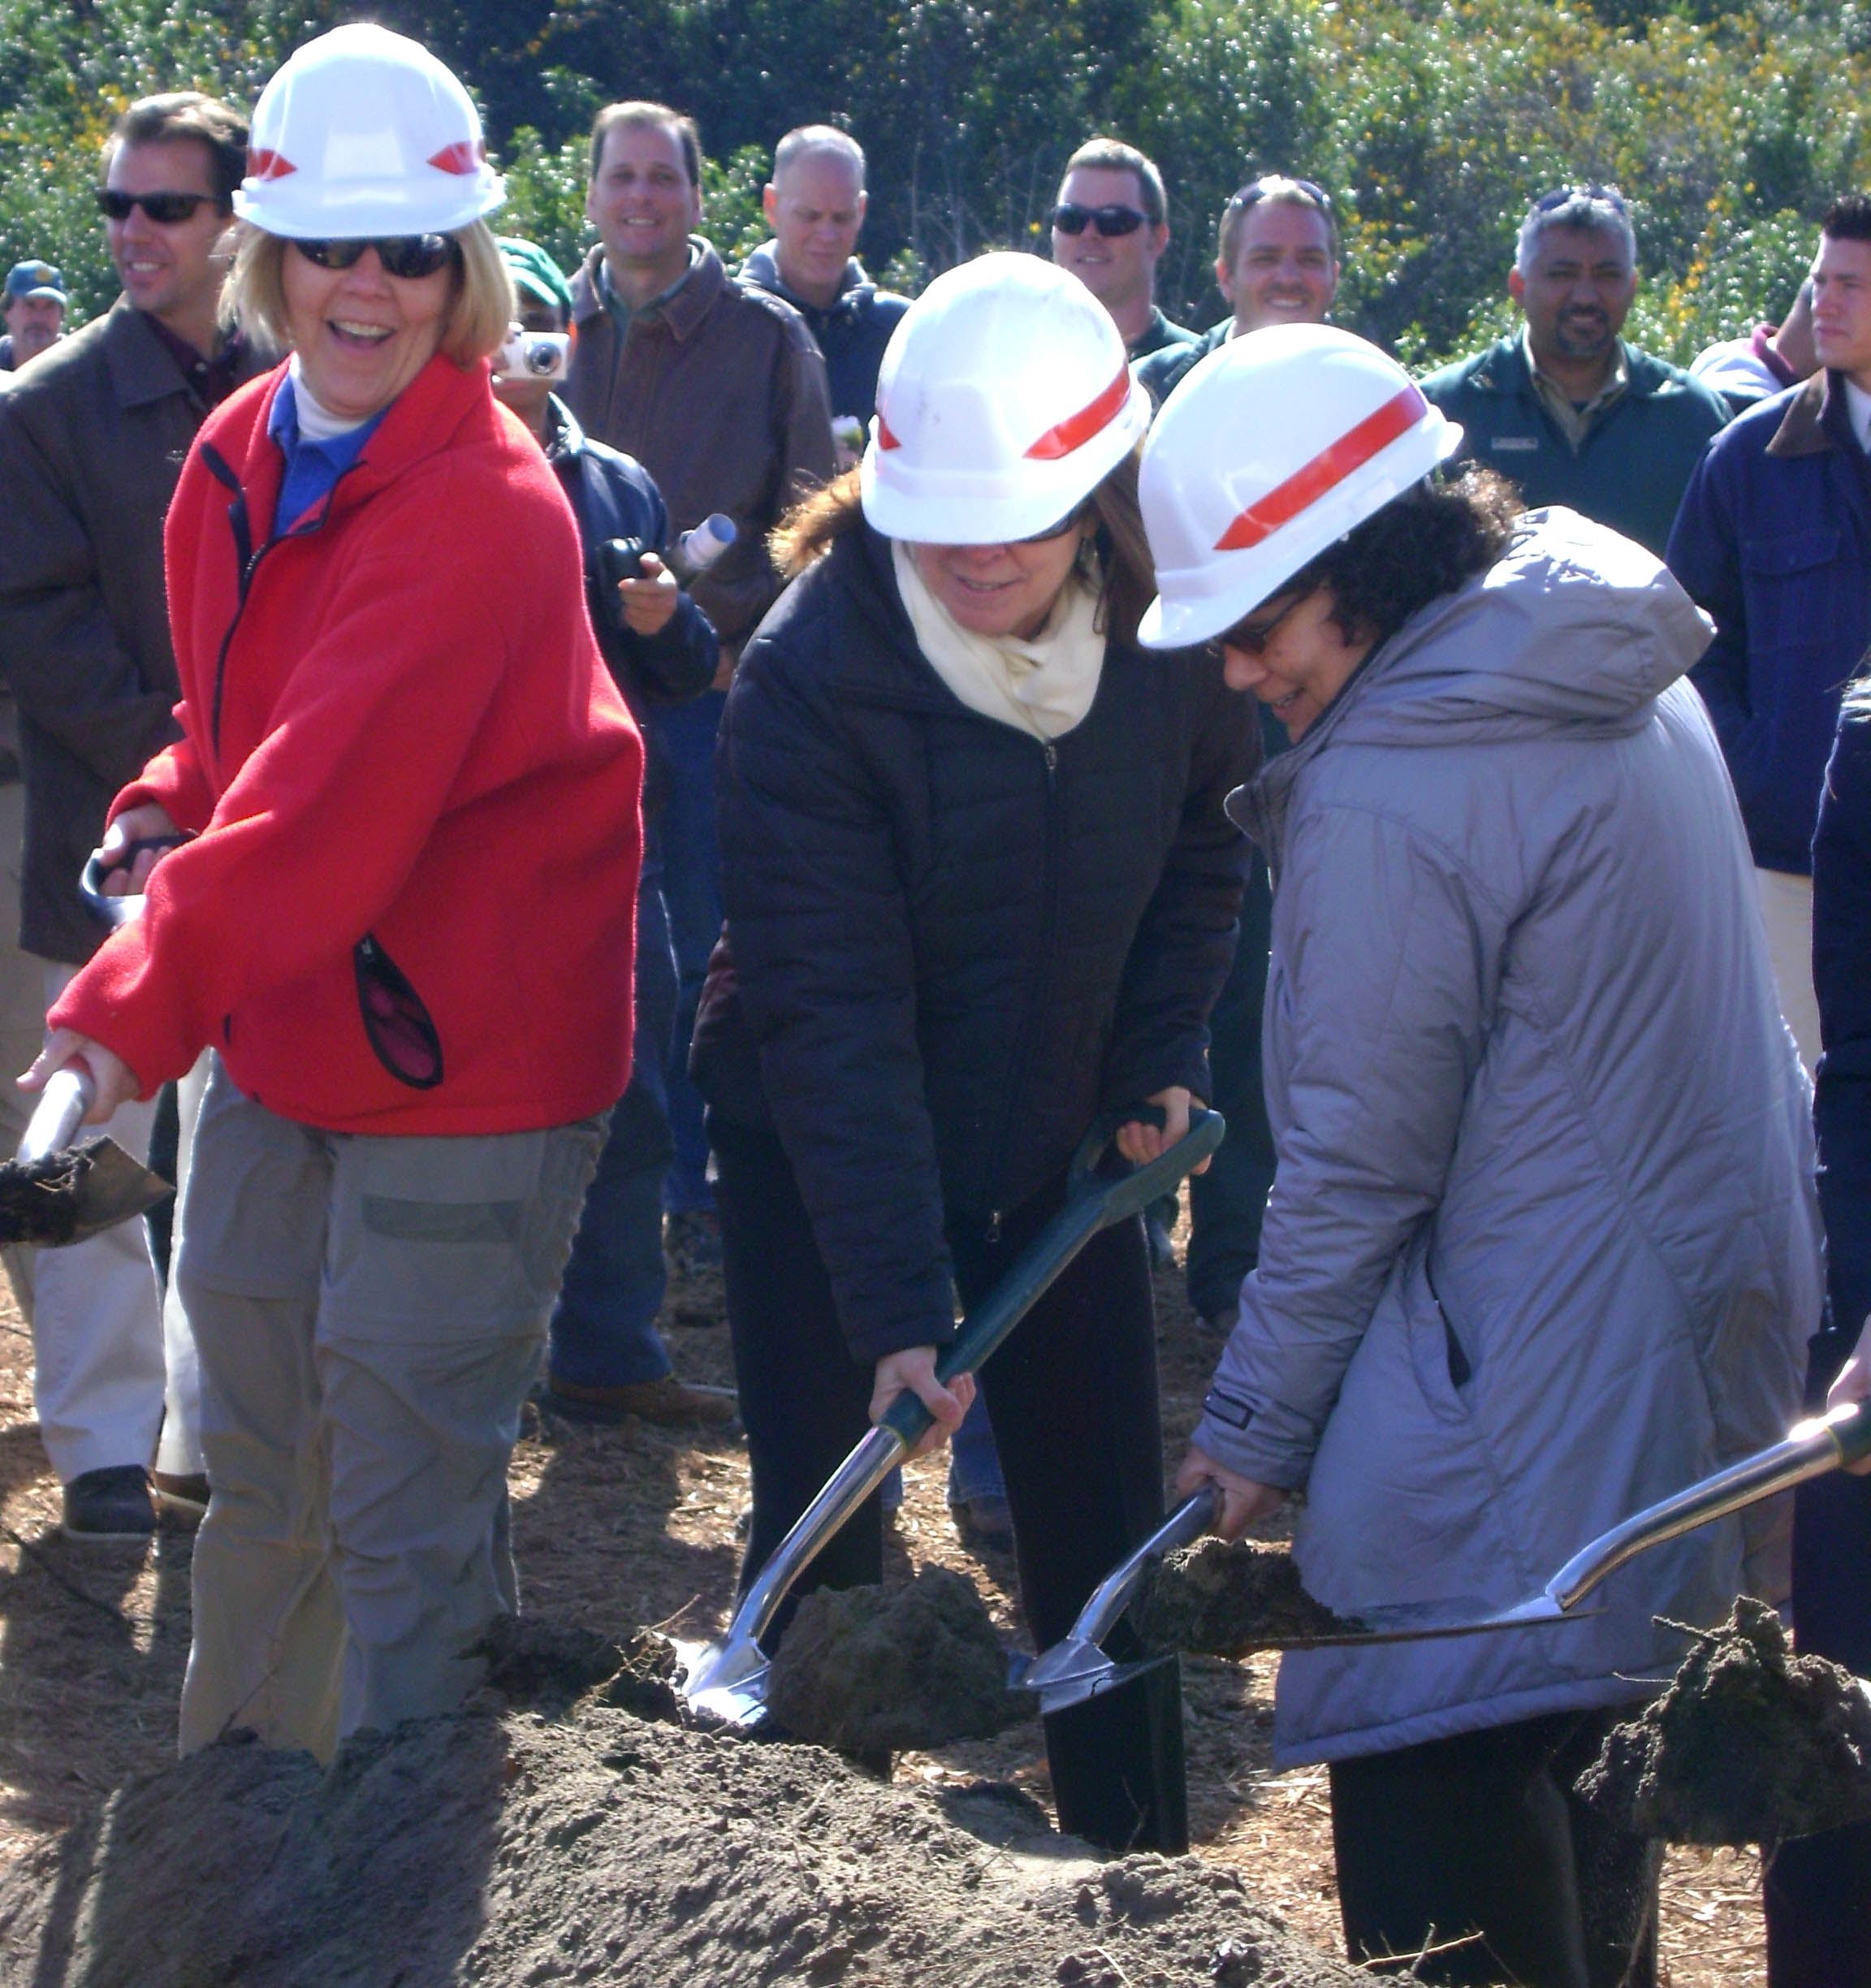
x: 1432, y: 124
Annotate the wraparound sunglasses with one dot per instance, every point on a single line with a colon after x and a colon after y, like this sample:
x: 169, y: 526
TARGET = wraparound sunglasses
x: 1070, y: 218
x: 165, y: 209
x: 408, y: 256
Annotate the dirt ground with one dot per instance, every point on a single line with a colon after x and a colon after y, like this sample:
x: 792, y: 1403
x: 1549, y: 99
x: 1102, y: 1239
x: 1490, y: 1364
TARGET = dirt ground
x: 615, y: 1527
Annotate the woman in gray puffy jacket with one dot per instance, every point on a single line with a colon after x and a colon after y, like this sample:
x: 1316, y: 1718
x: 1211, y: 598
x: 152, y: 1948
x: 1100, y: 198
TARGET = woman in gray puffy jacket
x: 1543, y: 1244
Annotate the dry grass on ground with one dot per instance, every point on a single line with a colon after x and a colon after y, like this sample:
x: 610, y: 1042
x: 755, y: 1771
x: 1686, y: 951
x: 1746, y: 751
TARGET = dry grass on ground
x: 618, y: 1527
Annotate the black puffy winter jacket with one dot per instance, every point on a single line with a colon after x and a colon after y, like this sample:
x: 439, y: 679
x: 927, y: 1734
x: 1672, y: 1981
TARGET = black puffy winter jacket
x: 951, y: 944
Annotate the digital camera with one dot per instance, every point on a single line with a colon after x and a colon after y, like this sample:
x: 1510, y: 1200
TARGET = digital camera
x: 534, y: 355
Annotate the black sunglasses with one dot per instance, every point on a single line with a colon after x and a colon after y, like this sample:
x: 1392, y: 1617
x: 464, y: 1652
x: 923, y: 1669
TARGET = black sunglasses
x: 1070, y: 218
x: 1560, y: 196
x: 165, y: 209
x: 1070, y: 522
x: 1274, y: 183
x: 408, y: 256
x: 1252, y: 637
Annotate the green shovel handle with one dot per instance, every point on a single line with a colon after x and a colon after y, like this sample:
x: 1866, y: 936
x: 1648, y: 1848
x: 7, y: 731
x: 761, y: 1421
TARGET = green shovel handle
x: 1092, y: 1203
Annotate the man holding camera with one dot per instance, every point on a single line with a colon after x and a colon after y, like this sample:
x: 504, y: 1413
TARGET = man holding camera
x: 718, y: 390
x: 605, y: 1358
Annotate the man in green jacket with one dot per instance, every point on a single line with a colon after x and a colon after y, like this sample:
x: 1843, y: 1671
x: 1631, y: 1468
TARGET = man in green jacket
x: 1565, y: 407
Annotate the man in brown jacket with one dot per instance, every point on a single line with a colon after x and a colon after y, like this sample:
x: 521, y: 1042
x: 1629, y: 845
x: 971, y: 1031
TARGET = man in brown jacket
x: 91, y: 440
x: 718, y: 390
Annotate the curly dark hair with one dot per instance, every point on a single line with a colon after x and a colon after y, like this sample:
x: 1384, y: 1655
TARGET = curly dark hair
x: 1421, y: 545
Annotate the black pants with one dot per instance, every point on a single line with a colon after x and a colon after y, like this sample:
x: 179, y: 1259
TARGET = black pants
x: 1071, y: 1394
x: 1482, y: 1836
x: 1818, y: 1888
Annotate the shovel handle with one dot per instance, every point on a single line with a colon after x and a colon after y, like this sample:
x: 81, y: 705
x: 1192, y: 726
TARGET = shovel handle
x: 1812, y: 1448
x: 63, y: 1103
x: 1113, y: 1595
x: 1092, y: 1203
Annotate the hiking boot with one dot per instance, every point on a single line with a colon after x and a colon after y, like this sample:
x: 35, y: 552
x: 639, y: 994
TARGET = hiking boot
x: 182, y: 1496
x: 665, y: 1399
x: 110, y: 1504
x: 984, y: 1523
x: 692, y: 1241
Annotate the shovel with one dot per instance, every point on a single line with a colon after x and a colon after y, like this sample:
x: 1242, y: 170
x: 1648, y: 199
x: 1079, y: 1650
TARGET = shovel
x: 727, y: 1677
x: 1077, y: 1669
x: 56, y: 1193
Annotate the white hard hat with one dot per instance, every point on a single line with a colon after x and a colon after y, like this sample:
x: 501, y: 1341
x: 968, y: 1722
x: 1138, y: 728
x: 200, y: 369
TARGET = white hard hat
x: 1004, y: 399
x: 1272, y: 449
x: 363, y: 133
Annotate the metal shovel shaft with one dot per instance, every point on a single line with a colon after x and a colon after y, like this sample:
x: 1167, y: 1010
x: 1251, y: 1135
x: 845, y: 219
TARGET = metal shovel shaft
x: 1811, y: 1448
x: 60, y: 1111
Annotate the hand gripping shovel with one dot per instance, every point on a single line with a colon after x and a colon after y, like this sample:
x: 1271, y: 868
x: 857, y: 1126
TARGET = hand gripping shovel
x: 55, y: 1192
x: 1078, y: 1669
x: 727, y: 1677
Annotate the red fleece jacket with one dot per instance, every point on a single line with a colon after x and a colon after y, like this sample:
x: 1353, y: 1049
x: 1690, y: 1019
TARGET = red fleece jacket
x: 404, y: 732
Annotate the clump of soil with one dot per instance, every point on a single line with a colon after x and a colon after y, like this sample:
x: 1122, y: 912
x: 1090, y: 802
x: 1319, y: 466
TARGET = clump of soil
x: 914, y: 1665
x: 551, y: 1665
x: 39, y: 1198
x: 1229, y: 1597
x: 602, y: 1849
x: 1749, y: 1745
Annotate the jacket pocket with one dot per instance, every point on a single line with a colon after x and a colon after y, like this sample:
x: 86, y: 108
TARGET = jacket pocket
x: 1790, y: 583
x: 401, y: 1033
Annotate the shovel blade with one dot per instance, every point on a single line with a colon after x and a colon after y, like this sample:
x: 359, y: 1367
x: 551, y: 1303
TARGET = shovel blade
x: 69, y: 1197
x: 725, y: 1679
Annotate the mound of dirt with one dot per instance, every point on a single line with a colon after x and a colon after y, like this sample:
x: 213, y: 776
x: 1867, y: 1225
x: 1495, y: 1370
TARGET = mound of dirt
x: 913, y: 1665
x: 1749, y: 1743
x: 550, y: 1665
x: 600, y: 1848
x: 1228, y: 1597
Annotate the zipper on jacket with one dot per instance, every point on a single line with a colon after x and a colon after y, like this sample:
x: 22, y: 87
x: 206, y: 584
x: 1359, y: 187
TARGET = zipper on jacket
x: 247, y: 561
x: 994, y: 1227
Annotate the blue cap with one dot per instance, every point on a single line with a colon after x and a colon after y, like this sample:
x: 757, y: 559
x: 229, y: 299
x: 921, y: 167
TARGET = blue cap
x: 35, y: 279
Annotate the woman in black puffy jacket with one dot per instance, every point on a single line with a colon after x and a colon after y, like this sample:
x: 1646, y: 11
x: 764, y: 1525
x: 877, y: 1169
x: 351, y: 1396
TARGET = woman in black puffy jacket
x: 980, y: 889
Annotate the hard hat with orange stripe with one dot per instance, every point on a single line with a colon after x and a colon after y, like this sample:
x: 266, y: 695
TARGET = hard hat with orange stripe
x: 1272, y: 449
x: 1003, y: 401
x: 363, y: 133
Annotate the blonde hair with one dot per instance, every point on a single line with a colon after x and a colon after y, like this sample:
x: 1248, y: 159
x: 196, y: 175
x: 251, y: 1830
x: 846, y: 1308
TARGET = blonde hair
x: 480, y: 313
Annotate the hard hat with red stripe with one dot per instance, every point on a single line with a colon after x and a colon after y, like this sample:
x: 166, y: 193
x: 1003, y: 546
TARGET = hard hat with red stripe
x: 1269, y: 450
x: 363, y: 133
x: 1004, y: 399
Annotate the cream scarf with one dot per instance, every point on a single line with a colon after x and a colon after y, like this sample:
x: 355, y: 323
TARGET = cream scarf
x: 1044, y: 686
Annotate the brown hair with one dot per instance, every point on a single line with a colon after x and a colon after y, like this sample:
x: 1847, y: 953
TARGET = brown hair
x: 480, y: 312
x: 1113, y: 155
x: 1275, y: 190
x: 822, y: 517
x: 652, y: 117
x: 187, y: 114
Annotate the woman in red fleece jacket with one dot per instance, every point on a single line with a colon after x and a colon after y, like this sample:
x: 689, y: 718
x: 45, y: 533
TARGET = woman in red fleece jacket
x: 402, y: 915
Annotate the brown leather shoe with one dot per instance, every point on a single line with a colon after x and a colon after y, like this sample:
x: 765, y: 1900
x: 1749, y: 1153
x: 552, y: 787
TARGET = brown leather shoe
x: 666, y: 1400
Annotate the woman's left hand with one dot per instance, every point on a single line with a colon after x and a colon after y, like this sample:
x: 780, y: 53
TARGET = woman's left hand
x: 651, y: 600
x: 1140, y: 1143
x: 1243, y: 1499
x: 113, y: 1081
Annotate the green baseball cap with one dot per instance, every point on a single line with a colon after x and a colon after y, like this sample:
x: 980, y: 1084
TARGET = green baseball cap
x: 535, y: 274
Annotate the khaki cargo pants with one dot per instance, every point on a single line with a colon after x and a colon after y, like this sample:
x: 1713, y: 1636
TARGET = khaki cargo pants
x: 370, y: 1314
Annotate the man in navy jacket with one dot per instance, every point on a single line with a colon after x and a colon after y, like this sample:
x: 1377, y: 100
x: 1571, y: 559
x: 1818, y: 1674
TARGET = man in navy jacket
x: 1774, y: 538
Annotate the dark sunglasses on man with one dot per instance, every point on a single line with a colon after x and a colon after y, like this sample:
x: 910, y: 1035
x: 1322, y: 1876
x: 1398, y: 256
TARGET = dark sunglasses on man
x: 165, y: 209
x: 1269, y: 182
x: 408, y: 256
x: 1070, y: 218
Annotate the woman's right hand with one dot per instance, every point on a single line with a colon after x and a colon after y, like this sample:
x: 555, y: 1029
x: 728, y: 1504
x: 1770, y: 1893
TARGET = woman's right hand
x: 147, y: 822
x: 914, y: 1368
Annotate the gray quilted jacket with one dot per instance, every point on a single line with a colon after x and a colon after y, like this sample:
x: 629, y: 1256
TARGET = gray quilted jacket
x: 1544, y: 1244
